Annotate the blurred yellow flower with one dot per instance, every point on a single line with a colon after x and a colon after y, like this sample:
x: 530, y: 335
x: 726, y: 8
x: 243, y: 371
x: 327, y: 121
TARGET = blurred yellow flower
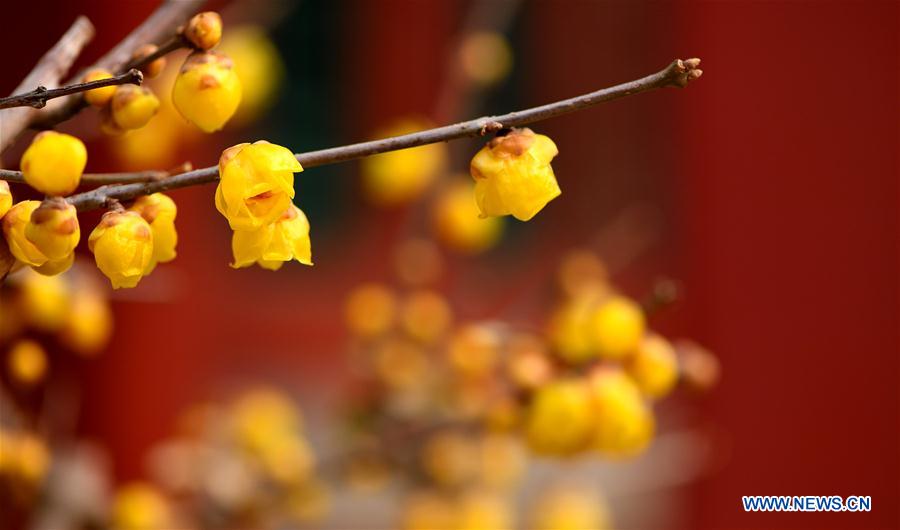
x: 425, y: 315
x: 370, y: 310
x: 458, y: 223
x: 485, y: 57
x: 259, y: 67
x: 44, y: 301
x: 654, y: 366
x: 513, y: 175
x: 123, y: 247
x: 401, y: 176
x: 89, y: 323
x: 140, y: 506
x: 27, y: 362
x: 618, y: 325
x: 207, y: 91
x: 474, y: 350
x: 53, y: 163
x: 256, y: 184
x: 624, y: 422
x: 570, y: 509
x: 561, y: 418
x: 450, y: 458
x: 271, y: 245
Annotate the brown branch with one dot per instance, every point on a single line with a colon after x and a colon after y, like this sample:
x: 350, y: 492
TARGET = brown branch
x: 175, y: 43
x: 38, y: 97
x: 110, y: 178
x: 677, y: 74
x: 47, y: 72
x: 160, y: 25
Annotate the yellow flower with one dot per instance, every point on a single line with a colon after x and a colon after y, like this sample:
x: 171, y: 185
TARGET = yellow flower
x: 159, y: 211
x: 482, y: 510
x: 457, y: 222
x: 654, y: 366
x: 256, y: 184
x: 132, y: 106
x: 450, y: 458
x: 14, y: 223
x: 123, y: 246
x: 27, y: 362
x: 272, y: 245
x: 400, y: 176
x: 140, y: 506
x: 370, y: 310
x: 485, y: 57
x: 262, y: 418
x: 570, y: 509
x: 207, y: 91
x: 561, y: 418
x: 428, y: 510
x: 624, y: 422
x: 426, y: 315
x: 259, y: 68
x: 474, y: 350
x: 24, y: 455
x: 618, y: 325
x: 6, y: 199
x: 88, y: 324
x: 204, y: 30
x: 44, y: 301
x: 570, y: 327
x: 99, y: 97
x: 54, y: 162
x: 53, y: 229
x: 513, y: 175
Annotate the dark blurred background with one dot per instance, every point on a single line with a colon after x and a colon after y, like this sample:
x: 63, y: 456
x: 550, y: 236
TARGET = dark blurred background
x: 776, y: 177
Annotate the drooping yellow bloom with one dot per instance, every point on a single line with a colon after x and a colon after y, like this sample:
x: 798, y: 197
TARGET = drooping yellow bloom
x: 27, y: 362
x: 618, y: 325
x: 99, y: 97
x: 140, y: 506
x: 53, y: 163
x: 624, y: 422
x: 270, y: 246
x: 400, y: 176
x: 561, y: 418
x: 370, y: 310
x: 207, y: 91
x: 159, y: 211
x: 513, y: 175
x: 53, y: 229
x: 654, y: 366
x: 14, y: 223
x: 133, y: 106
x: 204, y: 30
x: 260, y: 69
x: 123, y: 246
x: 457, y: 221
x: 256, y: 184
x: 6, y: 198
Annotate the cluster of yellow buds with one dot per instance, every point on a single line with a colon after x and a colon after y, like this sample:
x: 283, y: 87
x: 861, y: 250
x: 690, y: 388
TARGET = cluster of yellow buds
x: 25, y: 460
x: 256, y: 185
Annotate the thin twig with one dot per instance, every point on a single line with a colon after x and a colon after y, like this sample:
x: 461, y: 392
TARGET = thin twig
x: 110, y: 178
x: 160, y: 25
x: 47, y: 72
x: 175, y: 43
x: 677, y: 74
x: 38, y: 97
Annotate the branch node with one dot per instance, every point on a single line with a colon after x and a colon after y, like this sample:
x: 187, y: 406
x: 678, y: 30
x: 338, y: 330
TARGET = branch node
x: 490, y: 127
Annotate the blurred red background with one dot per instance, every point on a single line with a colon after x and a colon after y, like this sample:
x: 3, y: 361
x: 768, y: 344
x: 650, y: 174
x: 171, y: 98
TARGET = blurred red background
x: 777, y: 173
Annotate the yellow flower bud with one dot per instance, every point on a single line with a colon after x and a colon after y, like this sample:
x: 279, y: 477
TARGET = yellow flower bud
x: 618, y: 325
x: 53, y: 229
x: 207, y: 90
x: 123, y: 246
x: 256, y: 184
x: 624, y: 423
x: 458, y: 224
x: 27, y: 362
x: 6, y: 199
x: 560, y: 418
x: 133, y: 106
x: 54, y: 162
x: 159, y: 211
x: 513, y: 175
x: 140, y: 506
x: 154, y: 67
x: 426, y: 316
x: 14, y: 223
x: 481, y: 510
x: 262, y: 418
x: 570, y: 509
x: 204, y: 30
x: 44, y: 301
x: 272, y: 245
x: 400, y: 176
x: 654, y: 366
x: 89, y: 323
x: 99, y: 97
x: 370, y: 310
x: 570, y: 327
